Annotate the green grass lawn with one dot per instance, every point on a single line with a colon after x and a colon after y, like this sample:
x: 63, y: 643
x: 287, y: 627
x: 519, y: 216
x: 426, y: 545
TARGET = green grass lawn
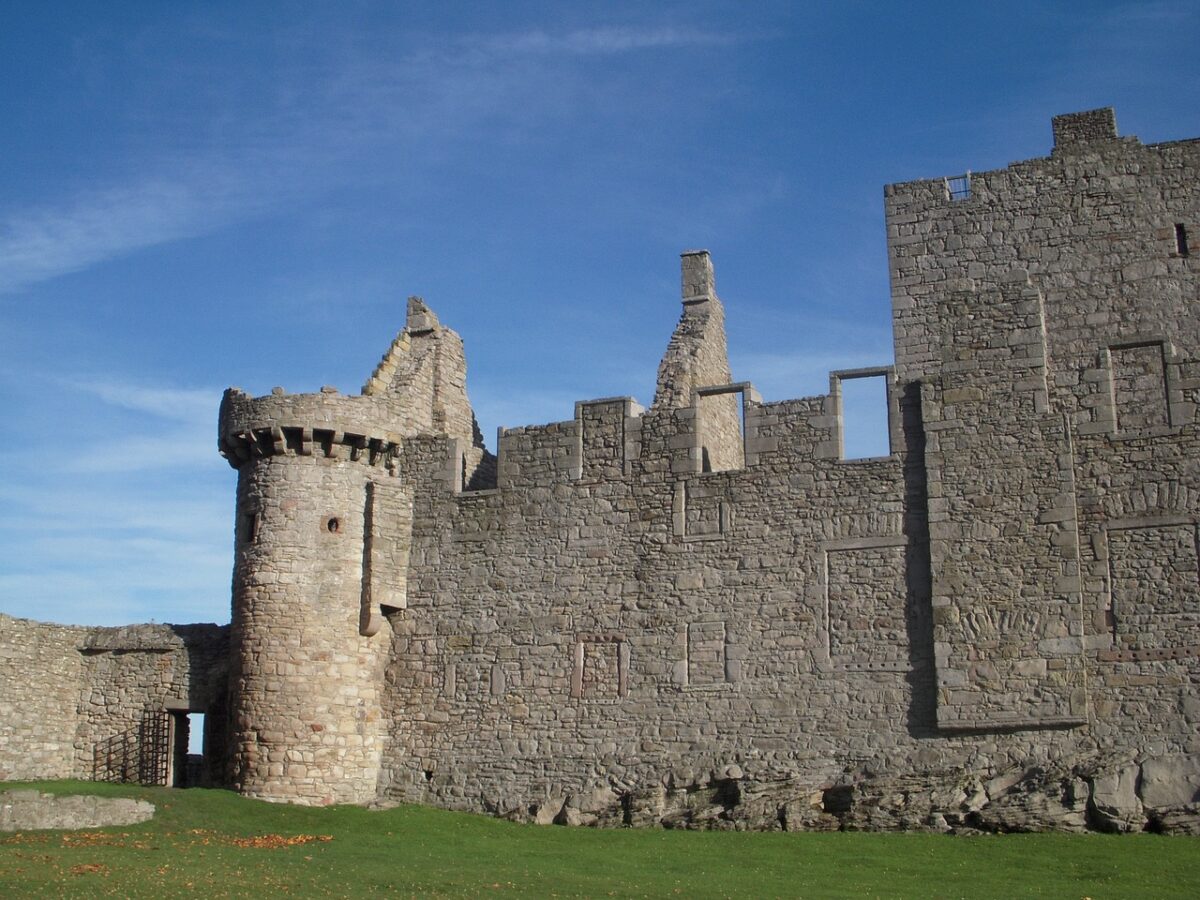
x: 218, y: 844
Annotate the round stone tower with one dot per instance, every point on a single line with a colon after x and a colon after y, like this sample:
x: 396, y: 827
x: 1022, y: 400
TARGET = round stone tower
x: 307, y: 669
x: 322, y: 537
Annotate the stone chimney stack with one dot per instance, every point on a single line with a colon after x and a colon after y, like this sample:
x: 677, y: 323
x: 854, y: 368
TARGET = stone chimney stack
x: 697, y: 278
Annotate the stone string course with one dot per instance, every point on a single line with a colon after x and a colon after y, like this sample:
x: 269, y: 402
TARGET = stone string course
x: 699, y: 614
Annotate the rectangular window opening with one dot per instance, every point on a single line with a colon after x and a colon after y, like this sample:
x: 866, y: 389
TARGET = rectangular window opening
x: 864, y: 409
x: 250, y: 524
x: 1181, y: 239
x: 958, y: 187
x: 721, y: 427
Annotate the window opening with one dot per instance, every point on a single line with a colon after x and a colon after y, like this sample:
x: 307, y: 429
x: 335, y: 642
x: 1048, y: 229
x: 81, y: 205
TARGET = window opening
x: 1181, y: 239
x: 1139, y: 386
x: 864, y: 410
x: 721, y: 428
x: 334, y: 525
x: 958, y: 187
x: 250, y: 527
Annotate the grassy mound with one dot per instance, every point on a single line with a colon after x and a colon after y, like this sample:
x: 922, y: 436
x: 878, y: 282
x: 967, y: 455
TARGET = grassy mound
x: 221, y: 845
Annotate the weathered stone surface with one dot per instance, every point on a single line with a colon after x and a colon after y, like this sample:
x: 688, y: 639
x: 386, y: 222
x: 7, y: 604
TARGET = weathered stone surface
x: 1170, y: 781
x: 1115, y: 804
x: 1183, y: 819
x: 33, y: 810
x: 76, y: 701
x: 1038, y: 804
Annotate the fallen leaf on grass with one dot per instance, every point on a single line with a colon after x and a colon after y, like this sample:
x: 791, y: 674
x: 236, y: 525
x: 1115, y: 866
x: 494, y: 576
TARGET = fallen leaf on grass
x: 89, y: 869
x: 21, y: 838
x: 276, y: 841
x: 93, y: 838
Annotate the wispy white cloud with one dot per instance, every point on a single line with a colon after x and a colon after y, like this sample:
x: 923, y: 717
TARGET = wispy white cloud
x: 116, y: 549
x: 321, y: 122
x: 605, y: 40
x: 186, y: 449
x: 170, y: 428
x: 130, y: 519
x: 184, y: 404
x: 50, y: 240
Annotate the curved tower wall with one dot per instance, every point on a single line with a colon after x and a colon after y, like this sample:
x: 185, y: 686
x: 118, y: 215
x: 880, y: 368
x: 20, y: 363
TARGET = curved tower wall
x: 307, y: 672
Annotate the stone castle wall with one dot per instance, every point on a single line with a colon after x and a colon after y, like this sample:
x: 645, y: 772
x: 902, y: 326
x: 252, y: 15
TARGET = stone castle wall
x: 1016, y: 584
x: 76, y: 701
x: 1051, y: 318
x: 305, y: 683
x: 41, y: 670
x: 701, y: 614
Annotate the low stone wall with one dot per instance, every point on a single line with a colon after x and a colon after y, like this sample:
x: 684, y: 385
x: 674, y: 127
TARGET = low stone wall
x: 33, y: 810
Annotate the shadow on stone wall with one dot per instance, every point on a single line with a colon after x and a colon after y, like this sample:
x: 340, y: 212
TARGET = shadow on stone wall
x: 918, y: 614
x: 140, y: 755
x: 208, y: 693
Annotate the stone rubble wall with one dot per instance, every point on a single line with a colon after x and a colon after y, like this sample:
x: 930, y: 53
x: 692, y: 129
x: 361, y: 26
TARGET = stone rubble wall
x: 306, y: 674
x: 322, y: 553
x: 1051, y: 317
x: 700, y: 614
x: 41, y: 678
x: 132, y: 672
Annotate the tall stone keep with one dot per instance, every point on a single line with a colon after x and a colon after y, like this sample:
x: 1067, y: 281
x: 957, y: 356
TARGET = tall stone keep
x: 322, y: 537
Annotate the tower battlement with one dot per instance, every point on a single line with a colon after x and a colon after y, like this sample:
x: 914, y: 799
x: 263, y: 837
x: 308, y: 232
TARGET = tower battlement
x: 328, y: 425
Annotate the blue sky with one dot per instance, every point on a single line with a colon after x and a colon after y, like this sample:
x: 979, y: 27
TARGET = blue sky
x: 197, y: 195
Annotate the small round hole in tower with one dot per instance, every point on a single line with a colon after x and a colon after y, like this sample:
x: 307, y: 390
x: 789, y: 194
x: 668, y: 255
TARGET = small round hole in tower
x: 334, y: 525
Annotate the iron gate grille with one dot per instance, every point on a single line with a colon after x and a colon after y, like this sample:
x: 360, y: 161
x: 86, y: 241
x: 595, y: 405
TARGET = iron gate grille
x: 154, y: 760
x: 141, y: 754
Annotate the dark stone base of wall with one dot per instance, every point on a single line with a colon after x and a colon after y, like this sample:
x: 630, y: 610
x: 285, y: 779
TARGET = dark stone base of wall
x: 1113, y: 793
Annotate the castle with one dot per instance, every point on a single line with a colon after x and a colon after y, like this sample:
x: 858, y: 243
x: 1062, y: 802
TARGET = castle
x: 700, y: 613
